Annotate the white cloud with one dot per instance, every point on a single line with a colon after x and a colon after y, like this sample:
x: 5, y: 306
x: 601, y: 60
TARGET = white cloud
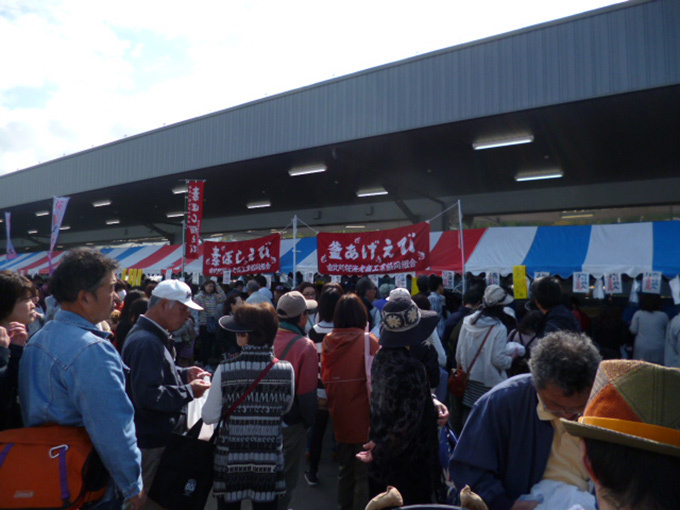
x: 106, y: 70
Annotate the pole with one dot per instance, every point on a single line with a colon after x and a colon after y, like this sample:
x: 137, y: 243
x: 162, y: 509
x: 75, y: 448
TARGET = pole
x: 295, y: 226
x: 462, y: 245
x: 184, y: 229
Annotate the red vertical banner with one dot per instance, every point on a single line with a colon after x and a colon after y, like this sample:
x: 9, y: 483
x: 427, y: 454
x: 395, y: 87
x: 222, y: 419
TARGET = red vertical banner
x: 194, y: 218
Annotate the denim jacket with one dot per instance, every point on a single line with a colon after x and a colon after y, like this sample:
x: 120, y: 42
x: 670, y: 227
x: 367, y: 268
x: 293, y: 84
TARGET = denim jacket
x: 71, y: 374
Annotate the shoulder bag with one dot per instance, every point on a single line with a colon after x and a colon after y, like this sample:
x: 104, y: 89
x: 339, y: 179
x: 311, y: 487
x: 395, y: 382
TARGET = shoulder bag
x: 50, y: 466
x: 458, y: 379
x: 185, y: 473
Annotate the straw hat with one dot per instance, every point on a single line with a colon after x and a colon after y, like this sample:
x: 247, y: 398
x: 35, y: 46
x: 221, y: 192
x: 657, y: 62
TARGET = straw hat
x: 633, y: 403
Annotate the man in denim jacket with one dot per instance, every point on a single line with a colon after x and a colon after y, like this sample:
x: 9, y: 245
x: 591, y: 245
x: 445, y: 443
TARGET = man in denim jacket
x: 71, y: 374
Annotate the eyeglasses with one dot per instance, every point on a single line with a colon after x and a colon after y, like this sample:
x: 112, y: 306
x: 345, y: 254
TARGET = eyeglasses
x: 565, y: 412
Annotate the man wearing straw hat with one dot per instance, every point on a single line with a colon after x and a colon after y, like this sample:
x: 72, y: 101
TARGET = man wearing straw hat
x: 630, y: 432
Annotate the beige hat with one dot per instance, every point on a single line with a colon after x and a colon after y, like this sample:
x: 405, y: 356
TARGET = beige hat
x: 292, y: 304
x: 635, y: 404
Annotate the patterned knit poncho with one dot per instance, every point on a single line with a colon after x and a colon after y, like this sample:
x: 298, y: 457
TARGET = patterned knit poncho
x: 249, y: 455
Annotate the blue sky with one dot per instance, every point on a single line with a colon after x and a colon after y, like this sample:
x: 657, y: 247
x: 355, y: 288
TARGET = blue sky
x: 80, y: 73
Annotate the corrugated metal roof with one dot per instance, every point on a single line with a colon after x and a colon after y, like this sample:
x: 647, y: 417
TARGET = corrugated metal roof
x: 612, y: 51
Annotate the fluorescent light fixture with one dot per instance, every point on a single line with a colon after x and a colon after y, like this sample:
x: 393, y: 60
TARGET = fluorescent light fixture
x: 306, y: 170
x: 102, y: 203
x: 569, y: 215
x: 355, y: 226
x: 537, y: 175
x: 114, y: 221
x: 502, y: 142
x: 371, y: 192
x: 42, y: 213
x: 32, y: 231
x: 259, y: 204
x: 65, y: 227
x: 180, y: 189
x: 174, y: 214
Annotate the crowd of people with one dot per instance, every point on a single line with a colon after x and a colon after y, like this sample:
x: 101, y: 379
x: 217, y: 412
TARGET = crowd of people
x: 539, y: 424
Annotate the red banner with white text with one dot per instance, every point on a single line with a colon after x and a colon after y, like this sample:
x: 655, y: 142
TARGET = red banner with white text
x: 262, y: 255
x: 397, y: 250
x: 194, y: 219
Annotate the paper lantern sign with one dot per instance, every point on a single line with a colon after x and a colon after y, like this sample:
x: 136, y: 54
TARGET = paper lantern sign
x: 581, y: 284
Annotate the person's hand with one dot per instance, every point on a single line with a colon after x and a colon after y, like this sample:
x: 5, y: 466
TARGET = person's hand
x: 442, y: 412
x: 199, y: 387
x: 18, y: 335
x: 196, y: 373
x: 135, y: 502
x: 367, y: 455
x: 524, y: 505
x: 4, y: 337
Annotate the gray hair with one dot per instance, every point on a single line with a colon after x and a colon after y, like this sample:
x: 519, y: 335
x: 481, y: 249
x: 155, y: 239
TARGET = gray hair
x: 154, y: 300
x: 566, y: 359
x: 252, y: 286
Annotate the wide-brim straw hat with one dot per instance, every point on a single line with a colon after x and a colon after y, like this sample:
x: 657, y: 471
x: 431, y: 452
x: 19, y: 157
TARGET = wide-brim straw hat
x: 635, y: 404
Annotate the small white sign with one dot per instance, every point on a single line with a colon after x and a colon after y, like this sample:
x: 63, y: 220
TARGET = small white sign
x: 651, y: 282
x: 336, y: 278
x: 268, y: 277
x: 309, y: 276
x: 168, y: 274
x: 612, y: 283
x: 449, y: 278
x: 226, y: 277
x: 493, y: 279
x: 581, y: 284
x: 283, y: 278
x: 195, y: 278
x: 374, y: 278
x: 540, y: 274
x: 400, y: 281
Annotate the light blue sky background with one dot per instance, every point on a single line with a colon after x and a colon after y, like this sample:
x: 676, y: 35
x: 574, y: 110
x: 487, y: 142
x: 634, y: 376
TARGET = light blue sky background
x: 80, y: 73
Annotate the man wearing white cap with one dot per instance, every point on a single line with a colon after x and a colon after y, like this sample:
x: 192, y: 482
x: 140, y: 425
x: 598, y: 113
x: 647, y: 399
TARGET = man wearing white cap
x: 158, y: 389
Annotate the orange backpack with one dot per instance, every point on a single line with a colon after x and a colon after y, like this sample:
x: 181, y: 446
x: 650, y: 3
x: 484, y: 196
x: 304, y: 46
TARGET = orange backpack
x: 50, y: 467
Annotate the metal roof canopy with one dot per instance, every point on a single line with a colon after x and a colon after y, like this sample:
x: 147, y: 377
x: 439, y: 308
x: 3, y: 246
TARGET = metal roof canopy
x: 600, y: 92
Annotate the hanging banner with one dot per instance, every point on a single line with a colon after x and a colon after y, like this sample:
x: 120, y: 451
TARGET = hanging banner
x: 387, y: 251
x: 519, y: 282
x: 58, y: 210
x: 613, y: 284
x: 9, y: 250
x: 581, y: 283
x: 540, y: 274
x: 194, y: 218
x: 260, y: 255
x: 651, y: 282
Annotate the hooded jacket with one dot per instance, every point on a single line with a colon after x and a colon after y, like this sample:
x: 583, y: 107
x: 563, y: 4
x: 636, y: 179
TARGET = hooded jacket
x: 344, y: 376
x: 490, y: 367
x: 558, y: 318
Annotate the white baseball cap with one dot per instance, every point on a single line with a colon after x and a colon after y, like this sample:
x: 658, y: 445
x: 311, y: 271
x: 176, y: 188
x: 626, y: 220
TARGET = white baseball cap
x: 174, y: 290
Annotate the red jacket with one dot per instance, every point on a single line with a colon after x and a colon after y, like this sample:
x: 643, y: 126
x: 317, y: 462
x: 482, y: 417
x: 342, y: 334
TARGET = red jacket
x: 344, y: 376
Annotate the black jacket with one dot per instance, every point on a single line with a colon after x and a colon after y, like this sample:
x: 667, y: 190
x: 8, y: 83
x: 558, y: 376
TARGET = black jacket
x: 157, y: 388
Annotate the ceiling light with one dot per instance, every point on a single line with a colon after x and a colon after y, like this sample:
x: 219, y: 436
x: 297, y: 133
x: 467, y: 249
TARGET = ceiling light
x: 536, y: 175
x: 32, y: 231
x: 113, y: 222
x: 102, y: 203
x: 42, y: 213
x: 371, y: 192
x: 306, y: 170
x: 355, y: 226
x: 175, y: 214
x: 570, y: 215
x: 180, y: 189
x: 502, y: 142
x: 259, y: 204
x: 65, y: 227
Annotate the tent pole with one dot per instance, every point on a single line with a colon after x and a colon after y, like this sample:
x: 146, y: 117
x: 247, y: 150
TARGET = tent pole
x: 295, y: 226
x: 462, y: 245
